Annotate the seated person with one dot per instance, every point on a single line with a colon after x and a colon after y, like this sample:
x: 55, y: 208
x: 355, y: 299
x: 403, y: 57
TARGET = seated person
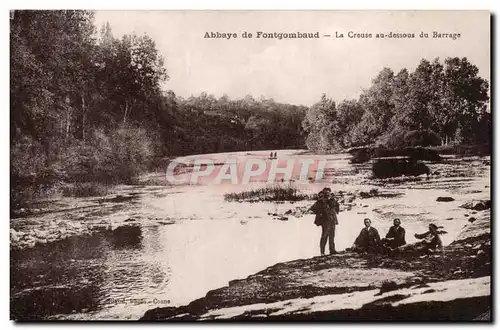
x: 395, y: 237
x: 368, y: 239
x: 430, y: 241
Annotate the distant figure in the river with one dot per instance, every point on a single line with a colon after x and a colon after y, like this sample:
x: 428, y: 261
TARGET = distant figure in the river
x: 395, y: 237
x: 368, y: 239
x: 430, y: 241
x: 326, y: 209
x: 271, y: 155
x: 275, y: 155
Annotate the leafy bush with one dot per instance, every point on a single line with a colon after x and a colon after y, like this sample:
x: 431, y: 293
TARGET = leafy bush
x: 26, y: 158
x: 422, y: 138
x: 115, y: 157
x: 401, y: 139
x: 130, y: 155
x: 84, y: 189
x: 82, y: 168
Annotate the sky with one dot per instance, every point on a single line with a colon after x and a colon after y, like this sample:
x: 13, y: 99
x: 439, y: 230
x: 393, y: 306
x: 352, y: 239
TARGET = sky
x: 299, y: 71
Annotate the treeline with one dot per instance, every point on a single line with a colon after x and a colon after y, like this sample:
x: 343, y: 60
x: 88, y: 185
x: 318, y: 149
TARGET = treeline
x: 436, y: 104
x: 204, y: 124
x: 84, y: 104
x: 88, y: 106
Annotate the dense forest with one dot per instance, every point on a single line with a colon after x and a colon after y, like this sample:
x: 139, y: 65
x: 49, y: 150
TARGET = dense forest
x: 86, y: 106
x: 436, y: 104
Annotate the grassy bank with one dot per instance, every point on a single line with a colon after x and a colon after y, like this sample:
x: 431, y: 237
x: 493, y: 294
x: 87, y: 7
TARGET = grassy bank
x: 463, y: 150
x: 273, y: 193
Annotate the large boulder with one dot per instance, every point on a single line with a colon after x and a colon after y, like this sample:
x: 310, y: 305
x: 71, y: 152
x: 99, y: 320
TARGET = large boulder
x: 127, y: 236
x: 396, y: 166
x: 478, y: 206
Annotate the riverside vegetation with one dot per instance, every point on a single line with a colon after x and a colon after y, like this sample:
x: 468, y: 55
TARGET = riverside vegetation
x: 88, y: 110
x: 90, y: 114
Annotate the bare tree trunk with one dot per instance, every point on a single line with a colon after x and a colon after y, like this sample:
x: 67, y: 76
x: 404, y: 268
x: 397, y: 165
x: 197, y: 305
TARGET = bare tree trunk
x: 84, y: 117
x: 61, y: 128
x: 128, y: 110
x: 68, y: 123
x: 125, y: 114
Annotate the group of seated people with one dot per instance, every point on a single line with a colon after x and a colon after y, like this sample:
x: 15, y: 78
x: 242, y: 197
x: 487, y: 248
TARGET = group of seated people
x: 369, y: 240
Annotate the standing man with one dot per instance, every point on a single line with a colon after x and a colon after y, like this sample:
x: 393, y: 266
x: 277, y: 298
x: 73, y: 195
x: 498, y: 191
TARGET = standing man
x: 332, y: 202
x: 326, y: 209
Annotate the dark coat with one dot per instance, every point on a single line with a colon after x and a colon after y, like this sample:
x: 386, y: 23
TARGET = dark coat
x: 334, y: 205
x: 398, y: 235
x: 326, y: 212
x: 368, y: 239
x: 432, y: 240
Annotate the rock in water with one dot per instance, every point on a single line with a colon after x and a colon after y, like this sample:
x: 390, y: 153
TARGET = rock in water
x: 368, y: 194
x: 127, y: 236
x: 482, y: 205
x: 395, y: 166
x: 479, y: 206
x: 445, y: 199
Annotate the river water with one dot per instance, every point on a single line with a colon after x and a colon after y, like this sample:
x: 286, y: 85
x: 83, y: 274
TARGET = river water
x: 183, y: 241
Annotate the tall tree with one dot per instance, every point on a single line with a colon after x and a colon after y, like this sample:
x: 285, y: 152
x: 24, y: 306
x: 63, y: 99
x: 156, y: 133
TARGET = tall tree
x: 321, y: 123
x: 465, y: 98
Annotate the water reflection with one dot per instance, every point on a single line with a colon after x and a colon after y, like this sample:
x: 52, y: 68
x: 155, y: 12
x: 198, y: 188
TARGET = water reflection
x: 57, y: 278
x: 84, y: 274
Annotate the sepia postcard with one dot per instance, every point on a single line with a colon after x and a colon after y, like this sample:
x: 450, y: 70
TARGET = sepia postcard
x: 250, y: 165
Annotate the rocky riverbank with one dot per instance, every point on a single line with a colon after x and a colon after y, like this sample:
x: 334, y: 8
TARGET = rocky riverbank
x: 451, y: 285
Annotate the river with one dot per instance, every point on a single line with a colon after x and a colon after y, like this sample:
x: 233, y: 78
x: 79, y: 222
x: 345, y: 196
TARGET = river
x: 186, y: 240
